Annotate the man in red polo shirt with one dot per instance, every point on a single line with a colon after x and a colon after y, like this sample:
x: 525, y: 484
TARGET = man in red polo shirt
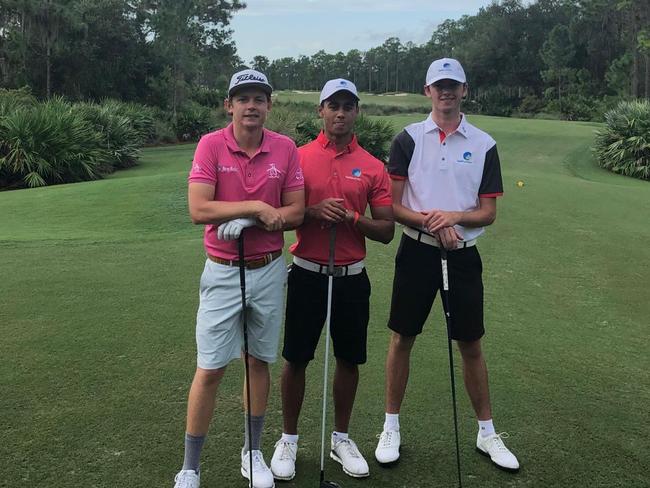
x: 242, y: 176
x: 341, y: 180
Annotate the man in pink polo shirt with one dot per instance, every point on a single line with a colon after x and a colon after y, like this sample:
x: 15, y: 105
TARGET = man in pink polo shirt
x: 341, y: 181
x: 243, y: 176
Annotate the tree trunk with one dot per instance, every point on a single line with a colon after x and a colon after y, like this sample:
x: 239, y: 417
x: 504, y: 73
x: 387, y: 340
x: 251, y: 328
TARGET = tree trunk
x: 647, y: 76
x: 48, y: 68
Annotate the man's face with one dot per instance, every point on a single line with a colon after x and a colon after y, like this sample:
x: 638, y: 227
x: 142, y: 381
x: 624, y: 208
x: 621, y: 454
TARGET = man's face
x: 339, y: 113
x: 446, y: 95
x: 248, y: 107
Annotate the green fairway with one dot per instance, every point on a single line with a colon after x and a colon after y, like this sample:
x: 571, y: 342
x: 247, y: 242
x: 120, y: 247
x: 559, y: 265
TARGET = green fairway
x: 399, y: 99
x: 98, y: 296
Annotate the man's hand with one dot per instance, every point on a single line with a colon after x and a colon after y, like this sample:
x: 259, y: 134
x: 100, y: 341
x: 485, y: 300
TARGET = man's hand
x: 231, y: 230
x: 435, y: 220
x: 270, y: 217
x: 448, y: 238
x: 330, y: 210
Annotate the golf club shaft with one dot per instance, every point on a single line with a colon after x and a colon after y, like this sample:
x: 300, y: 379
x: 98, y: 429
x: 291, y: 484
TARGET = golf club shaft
x: 445, y: 296
x: 330, y: 283
x: 242, y: 283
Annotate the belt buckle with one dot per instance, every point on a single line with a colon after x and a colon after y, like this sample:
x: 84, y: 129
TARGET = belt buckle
x: 337, y: 272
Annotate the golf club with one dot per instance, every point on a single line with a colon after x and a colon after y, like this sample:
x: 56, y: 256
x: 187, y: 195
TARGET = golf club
x: 445, y: 301
x: 242, y: 284
x: 330, y: 282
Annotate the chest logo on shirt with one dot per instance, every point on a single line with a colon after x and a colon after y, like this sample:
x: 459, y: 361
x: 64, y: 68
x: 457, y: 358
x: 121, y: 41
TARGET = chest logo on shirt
x: 273, y: 172
x: 226, y: 169
x: 355, y: 174
x: 467, y: 158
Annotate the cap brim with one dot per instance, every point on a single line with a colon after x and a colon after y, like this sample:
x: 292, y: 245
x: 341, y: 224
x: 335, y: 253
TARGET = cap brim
x: 338, y: 91
x: 444, y: 77
x: 262, y: 86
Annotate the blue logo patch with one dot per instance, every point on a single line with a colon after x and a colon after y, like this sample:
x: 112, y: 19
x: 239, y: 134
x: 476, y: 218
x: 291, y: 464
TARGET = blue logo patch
x: 343, y: 82
x: 356, y: 172
x: 467, y: 156
x: 446, y: 65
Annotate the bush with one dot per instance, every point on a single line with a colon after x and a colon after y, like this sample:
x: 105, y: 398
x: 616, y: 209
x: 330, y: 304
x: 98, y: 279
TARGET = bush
x: 374, y: 136
x: 48, y: 144
x: 623, y: 145
x: 194, y: 120
x: 11, y: 100
x: 121, y: 137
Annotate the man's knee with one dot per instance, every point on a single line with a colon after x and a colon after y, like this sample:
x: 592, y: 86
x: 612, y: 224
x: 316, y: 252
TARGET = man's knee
x: 401, y: 343
x: 470, y: 350
x: 208, y: 378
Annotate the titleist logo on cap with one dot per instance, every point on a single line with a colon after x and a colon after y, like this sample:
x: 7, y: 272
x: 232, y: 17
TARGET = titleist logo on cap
x: 250, y: 77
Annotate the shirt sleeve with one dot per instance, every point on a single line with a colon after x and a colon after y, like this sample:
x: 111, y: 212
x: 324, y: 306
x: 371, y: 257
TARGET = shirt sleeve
x: 380, y: 193
x: 204, y: 164
x: 401, y: 152
x: 491, y: 182
x: 294, y: 179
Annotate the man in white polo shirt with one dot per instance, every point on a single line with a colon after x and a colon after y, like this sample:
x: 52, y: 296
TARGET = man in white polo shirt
x: 446, y: 177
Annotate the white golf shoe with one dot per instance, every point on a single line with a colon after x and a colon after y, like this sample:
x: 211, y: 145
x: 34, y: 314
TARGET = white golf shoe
x: 493, y: 447
x: 388, y: 447
x: 346, y: 453
x: 262, y: 476
x: 283, y: 462
x: 187, y: 478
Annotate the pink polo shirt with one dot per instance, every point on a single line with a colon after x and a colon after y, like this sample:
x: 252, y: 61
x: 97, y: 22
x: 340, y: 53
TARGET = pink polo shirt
x: 272, y: 171
x: 354, y: 175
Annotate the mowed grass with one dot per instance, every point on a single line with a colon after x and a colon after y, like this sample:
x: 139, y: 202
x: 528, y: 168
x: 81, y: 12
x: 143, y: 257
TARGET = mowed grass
x: 99, y: 289
x: 392, y: 99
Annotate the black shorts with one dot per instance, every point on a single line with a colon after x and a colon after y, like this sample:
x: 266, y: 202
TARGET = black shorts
x: 307, y: 310
x: 418, y: 276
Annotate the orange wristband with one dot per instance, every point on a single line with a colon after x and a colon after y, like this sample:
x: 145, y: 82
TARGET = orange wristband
x: 356, y: 218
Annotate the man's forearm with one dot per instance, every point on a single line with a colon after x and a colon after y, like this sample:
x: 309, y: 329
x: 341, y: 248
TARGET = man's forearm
x: 293, y: 215
x: 218, y: 212
x: 379, y: 230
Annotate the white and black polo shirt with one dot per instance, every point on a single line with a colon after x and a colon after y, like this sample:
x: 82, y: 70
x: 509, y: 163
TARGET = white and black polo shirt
x: 446, y: 172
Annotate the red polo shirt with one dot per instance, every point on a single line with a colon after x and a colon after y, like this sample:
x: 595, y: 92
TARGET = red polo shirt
x: 354, y: 175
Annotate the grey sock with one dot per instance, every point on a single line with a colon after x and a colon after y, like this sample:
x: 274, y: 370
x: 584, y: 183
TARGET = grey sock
x: 193, y: 446
x: 257, y: 426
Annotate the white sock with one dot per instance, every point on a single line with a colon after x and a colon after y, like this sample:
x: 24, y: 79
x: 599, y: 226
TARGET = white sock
x: 391, y: 422
x: 339, y: 436
x: 485, y: 427
x: 293, y: 438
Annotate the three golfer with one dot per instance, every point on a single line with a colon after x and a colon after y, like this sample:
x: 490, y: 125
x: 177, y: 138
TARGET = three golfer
x: 341, y: 181
x: 446, y: 178
x: 242, y: 177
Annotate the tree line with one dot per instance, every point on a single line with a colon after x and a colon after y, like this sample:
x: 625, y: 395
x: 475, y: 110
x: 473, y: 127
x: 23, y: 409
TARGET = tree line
x: 567, y: 56
x: 559, y: 54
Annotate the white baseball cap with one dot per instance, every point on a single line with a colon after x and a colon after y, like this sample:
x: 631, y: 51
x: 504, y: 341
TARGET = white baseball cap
x: 249, y: 78
x: 337, y: 85
x: 445, y: 69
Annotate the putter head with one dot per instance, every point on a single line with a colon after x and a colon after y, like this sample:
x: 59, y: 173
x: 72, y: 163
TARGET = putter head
x: 329, y: 484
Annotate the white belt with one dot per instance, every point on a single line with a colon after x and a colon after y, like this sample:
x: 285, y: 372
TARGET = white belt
x: 432, y: 241
x: 347, y: 270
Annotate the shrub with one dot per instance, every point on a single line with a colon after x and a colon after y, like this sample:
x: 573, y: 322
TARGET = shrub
x: 194, y: 120
x: 374, y: 136
x: 47, y: 144
x: 121, y: 138
x: 623, y: 145
x: 11, y: 100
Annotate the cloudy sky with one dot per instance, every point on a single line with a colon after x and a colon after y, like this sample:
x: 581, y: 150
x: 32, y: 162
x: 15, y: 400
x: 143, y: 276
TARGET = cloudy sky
x: 278, y: 28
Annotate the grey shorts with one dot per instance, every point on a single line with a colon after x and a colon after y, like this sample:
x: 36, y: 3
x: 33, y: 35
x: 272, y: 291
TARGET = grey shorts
x: 219, y: 332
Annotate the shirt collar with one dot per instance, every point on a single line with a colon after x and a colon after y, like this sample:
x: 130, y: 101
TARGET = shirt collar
x: 325, y: 142
x: 430, y: 125
x: 231, y: 142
